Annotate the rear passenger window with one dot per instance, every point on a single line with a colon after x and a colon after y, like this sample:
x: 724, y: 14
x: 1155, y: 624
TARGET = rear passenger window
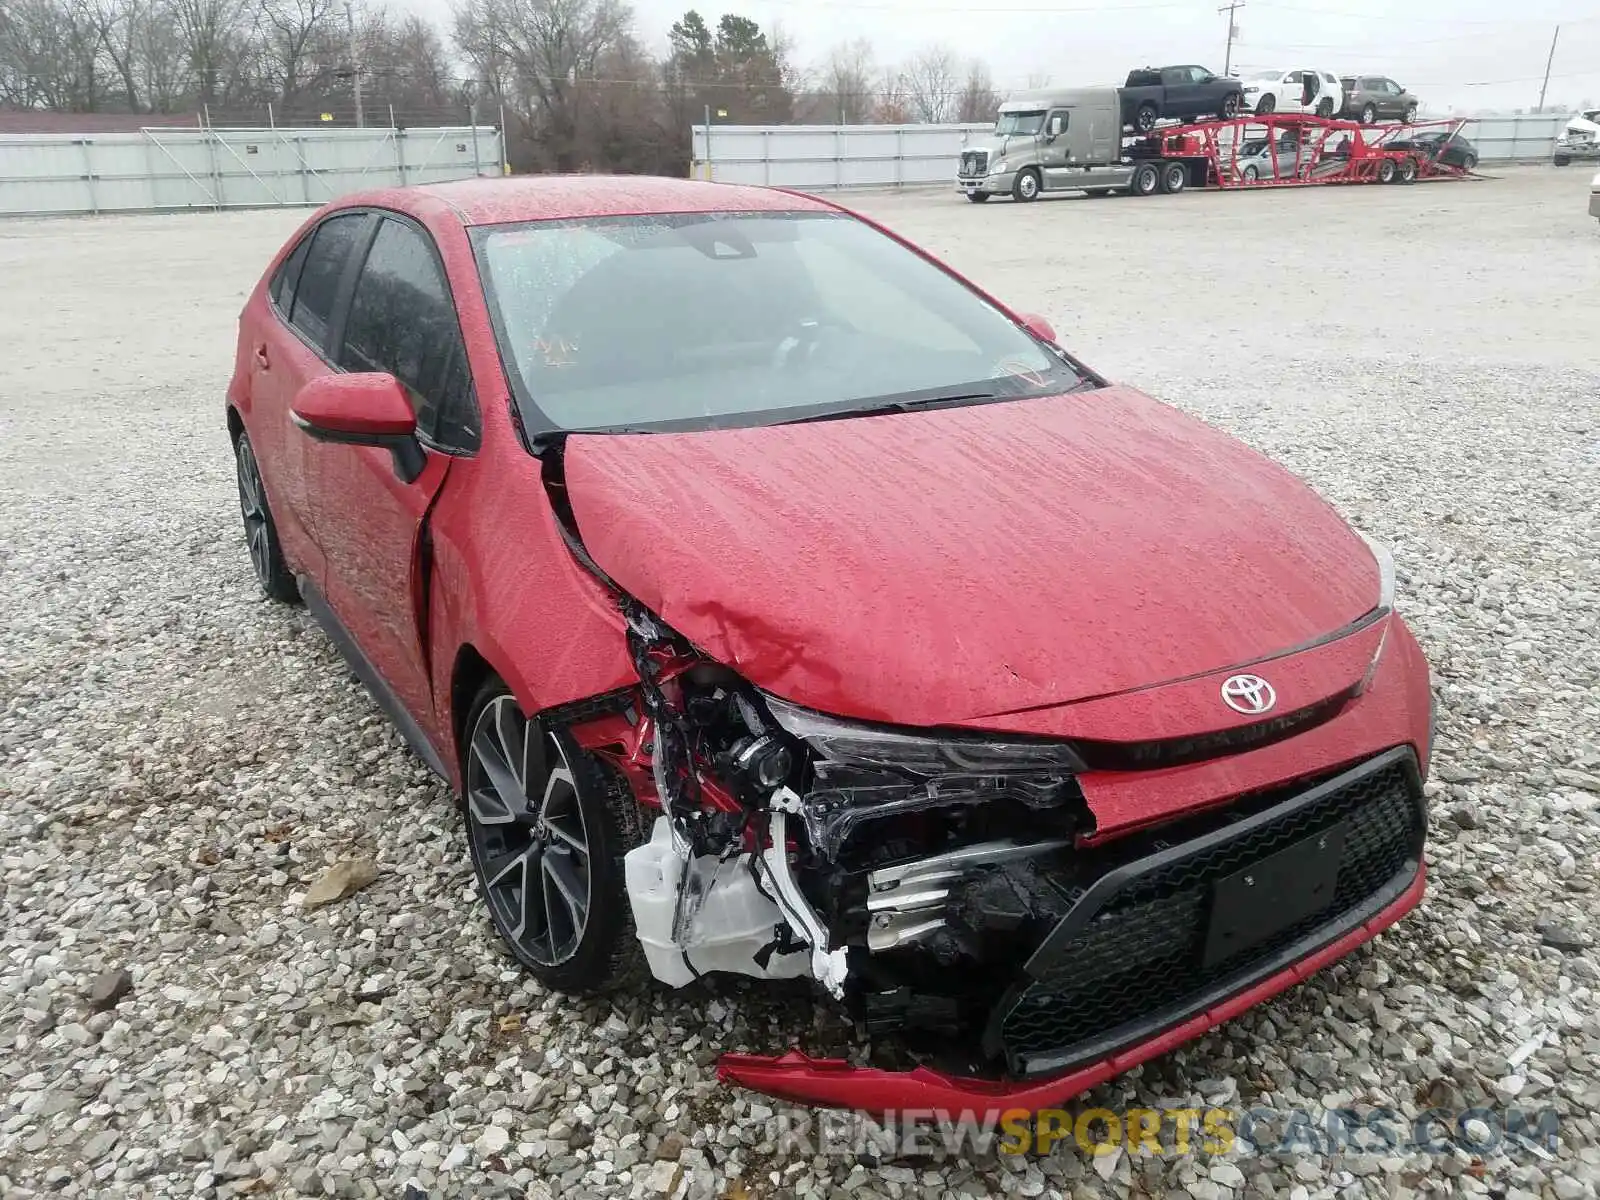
x: 283, y: 283
x: 318, y: 285
x: 403, y: 321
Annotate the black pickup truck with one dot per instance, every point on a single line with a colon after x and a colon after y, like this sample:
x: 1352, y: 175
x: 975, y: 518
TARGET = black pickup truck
x: 1188, y: 93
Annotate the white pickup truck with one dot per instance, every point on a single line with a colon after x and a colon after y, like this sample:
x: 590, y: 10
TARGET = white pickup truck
x: 1580, y: 139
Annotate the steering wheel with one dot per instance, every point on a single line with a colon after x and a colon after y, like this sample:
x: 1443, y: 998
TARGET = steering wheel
x: 798, y: 348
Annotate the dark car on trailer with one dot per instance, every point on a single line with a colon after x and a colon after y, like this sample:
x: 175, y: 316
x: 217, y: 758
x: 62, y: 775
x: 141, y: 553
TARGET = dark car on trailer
x: 1188, y: 92
x: 1439, y: 148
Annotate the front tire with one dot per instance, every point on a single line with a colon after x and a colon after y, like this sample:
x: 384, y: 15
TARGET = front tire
x: 1266, y: 105
x: 1562, y: 160
x: 1230, y: 106
x: 1025, y: 190
x: 1410, y: 115
x: 1146, y: 180
x: 548, y: 826
x: 260, y: 531
x: 1250, y: 174
x: 1470, y: 163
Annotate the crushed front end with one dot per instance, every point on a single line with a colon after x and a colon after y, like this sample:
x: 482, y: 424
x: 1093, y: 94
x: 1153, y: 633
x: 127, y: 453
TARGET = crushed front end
x: 960, y: 895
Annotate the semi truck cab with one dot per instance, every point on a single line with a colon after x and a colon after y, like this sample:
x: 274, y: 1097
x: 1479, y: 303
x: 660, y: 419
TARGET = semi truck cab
x: 1048, y: 141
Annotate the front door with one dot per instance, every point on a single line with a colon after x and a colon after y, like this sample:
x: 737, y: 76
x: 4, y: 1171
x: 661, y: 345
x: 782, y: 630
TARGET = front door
x: 370, y: 522
x: 1055, y: 146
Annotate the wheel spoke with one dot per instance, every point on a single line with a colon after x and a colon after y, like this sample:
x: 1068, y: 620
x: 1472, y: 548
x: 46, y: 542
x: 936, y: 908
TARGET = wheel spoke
x: 502, y: 779
x: 533, y: 916
x: 566, y: 895
x: 506, y: 869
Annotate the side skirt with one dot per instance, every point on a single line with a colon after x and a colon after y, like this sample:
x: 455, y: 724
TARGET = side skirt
x: 368, y: 674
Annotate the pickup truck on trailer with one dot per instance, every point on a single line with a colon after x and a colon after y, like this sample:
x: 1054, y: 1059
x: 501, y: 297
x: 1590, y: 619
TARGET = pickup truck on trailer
x: 1061, y: 140
x: 1187, y: 92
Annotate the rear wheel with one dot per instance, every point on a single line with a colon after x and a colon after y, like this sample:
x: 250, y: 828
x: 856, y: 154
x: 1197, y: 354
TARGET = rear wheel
x: 1369, y: 113
x: 977, y: 197
x: 1146, y: 180
x: 1173, y: 178
x: 1408, y: 170
x: 547, y: 827
x: 261, y: 534
x: 1386, y: 171
x: 1563, y: 160
x: 1267, y: 104
x: 1325, y: 107
x: 1026, y: 188
x: 1144, y: 120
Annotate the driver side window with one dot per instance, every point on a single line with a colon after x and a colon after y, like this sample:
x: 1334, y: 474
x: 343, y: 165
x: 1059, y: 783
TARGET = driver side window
x: 403, y: 321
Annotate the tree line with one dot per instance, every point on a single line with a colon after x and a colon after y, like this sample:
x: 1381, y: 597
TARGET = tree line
x: 574, y: 80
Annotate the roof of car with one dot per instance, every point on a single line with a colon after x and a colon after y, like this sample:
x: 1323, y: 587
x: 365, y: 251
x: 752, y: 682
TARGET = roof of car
x: 513, y: 198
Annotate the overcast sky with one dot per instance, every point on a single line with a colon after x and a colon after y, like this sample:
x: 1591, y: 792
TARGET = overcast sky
x: 1465, y: 54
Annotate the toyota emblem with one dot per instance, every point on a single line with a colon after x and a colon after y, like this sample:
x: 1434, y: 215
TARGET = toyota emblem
x: 1248, y: 694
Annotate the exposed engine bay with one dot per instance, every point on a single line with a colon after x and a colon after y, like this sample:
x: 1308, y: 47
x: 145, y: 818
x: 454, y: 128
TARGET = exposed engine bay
x: 890, y: 869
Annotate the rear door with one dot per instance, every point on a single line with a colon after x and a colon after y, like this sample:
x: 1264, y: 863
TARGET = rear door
x: 1183, y: 95
x: 1393, y: 101
x: 400, y: 319
x: 289, y: 350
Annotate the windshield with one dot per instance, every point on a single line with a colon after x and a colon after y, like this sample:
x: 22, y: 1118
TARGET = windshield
x: 1012, y: 124
x: 700, y: 321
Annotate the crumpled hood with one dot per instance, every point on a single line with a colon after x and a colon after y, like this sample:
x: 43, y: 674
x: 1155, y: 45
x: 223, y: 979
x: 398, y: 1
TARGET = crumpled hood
x: 932, y: 567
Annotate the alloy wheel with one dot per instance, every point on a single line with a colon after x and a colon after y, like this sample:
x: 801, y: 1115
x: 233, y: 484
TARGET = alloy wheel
x: 529, y: 835
x: 253, y: 506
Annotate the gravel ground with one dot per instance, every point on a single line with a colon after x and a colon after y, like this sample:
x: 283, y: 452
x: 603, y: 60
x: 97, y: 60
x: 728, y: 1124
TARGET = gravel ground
x: 180, y: 761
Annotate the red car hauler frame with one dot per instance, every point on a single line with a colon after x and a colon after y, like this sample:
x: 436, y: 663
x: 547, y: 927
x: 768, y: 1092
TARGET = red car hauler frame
x: 1319, y: 151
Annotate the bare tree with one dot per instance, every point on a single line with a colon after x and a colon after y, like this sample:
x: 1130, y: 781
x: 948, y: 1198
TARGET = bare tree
x: 290, y: 30
x: 847, y: 82
x: 978, y: 100
x: 209, y: 32
x: 930, y: 81
x: 547, y: 48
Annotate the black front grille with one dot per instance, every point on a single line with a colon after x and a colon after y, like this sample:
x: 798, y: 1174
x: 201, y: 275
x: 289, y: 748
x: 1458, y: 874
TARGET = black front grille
x: 1136, y: 964
x: 974, y: 162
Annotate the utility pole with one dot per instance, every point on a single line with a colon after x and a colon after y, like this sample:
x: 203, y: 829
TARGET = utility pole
x: 1233, y: 32
x: 1545, y: 86
x: 355, y: 60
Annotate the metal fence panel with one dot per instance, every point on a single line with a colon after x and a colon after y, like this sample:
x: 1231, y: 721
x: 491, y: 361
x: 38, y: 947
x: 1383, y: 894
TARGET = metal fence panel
x: 162, y: 169
x: 827, y: 156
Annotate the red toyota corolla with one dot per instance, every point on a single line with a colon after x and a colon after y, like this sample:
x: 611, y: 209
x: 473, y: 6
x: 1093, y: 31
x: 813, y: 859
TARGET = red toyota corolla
x: 780, y: 604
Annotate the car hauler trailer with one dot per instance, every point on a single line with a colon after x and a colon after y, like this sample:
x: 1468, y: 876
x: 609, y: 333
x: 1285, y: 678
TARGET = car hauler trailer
x: 1074, y: 140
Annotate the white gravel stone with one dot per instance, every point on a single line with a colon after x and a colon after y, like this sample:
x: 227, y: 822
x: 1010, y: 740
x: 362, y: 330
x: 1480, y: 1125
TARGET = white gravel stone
x: 180, y: 761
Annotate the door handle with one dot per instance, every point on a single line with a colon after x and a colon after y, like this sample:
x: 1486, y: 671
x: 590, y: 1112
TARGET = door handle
x: 262, y: 360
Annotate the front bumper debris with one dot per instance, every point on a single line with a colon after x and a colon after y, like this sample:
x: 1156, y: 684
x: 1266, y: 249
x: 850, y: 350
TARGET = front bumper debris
x: 1167, y: 941
x: 835, y: 1083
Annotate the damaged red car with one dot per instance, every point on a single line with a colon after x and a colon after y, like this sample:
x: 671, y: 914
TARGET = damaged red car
x: 780, y: 604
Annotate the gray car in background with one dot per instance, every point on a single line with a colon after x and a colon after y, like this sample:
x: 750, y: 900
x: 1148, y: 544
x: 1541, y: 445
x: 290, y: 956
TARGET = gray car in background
x: 1369, y: 98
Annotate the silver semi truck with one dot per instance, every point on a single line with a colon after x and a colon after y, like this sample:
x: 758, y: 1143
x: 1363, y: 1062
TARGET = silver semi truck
x: 1068, y: 139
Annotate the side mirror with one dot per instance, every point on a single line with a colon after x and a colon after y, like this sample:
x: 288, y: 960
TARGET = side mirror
x: 361, y: 410
x: 1039, y: 327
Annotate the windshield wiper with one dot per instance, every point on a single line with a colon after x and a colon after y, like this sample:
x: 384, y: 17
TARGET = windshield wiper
x: 902, y: 406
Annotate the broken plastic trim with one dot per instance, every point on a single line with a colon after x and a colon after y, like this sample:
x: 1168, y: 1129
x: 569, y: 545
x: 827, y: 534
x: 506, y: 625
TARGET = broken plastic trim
x: 828, y: 967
